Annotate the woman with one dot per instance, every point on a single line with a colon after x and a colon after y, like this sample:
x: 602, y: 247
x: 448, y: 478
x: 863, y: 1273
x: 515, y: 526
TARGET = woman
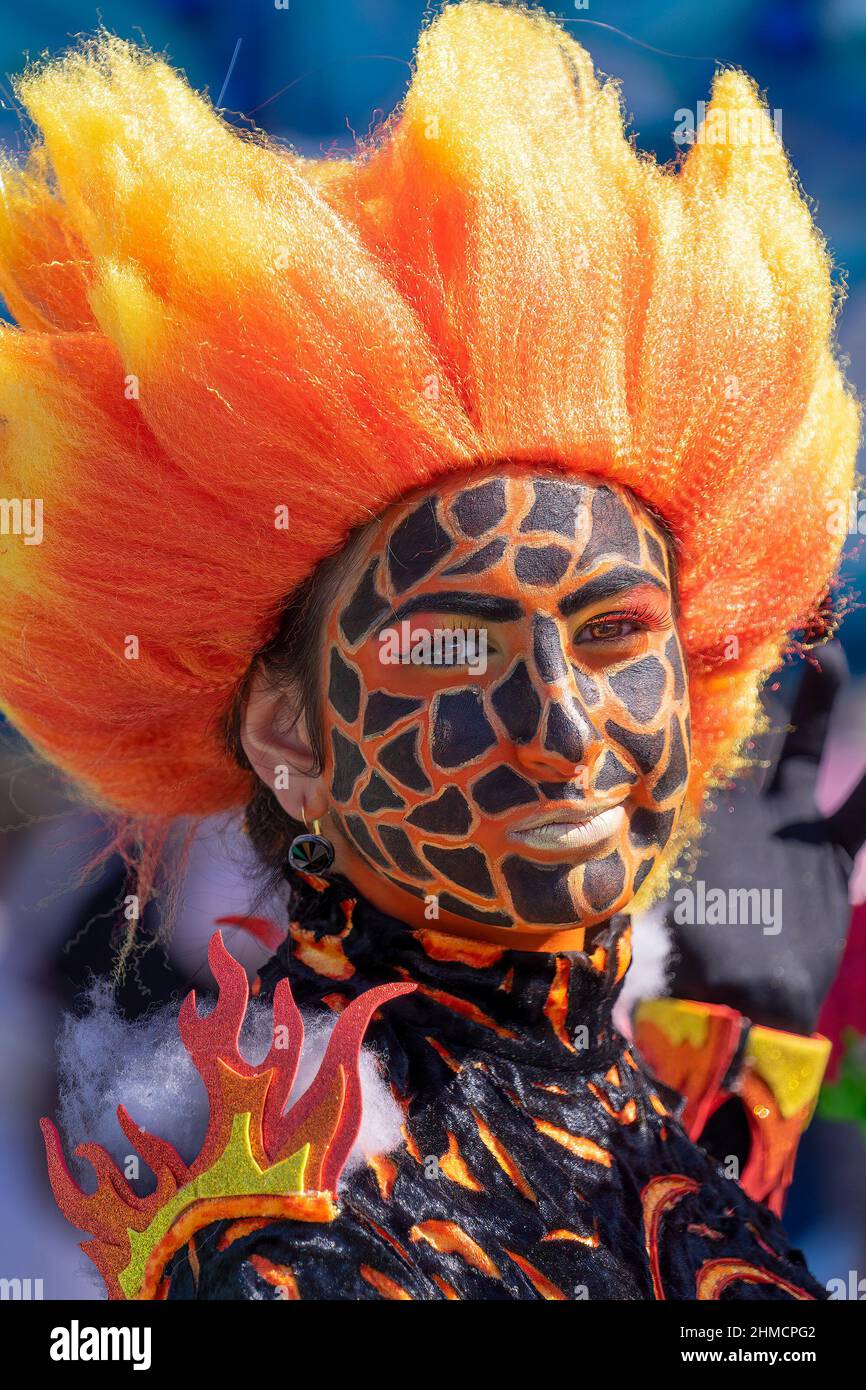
x: 515, y: 419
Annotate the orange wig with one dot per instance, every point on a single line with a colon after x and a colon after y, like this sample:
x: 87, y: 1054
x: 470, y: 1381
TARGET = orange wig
x: 227, y: 356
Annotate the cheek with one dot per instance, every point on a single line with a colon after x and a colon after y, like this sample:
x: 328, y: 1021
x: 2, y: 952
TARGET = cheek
x: 666, y: 764
x: 417, y: 783
x: 643, y: 711
x: 376, y: 765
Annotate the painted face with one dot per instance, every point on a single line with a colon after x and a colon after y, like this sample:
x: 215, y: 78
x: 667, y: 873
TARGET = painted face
x: 525, y: 776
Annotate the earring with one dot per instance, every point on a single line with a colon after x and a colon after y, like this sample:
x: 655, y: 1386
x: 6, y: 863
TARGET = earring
x: 311, y: 853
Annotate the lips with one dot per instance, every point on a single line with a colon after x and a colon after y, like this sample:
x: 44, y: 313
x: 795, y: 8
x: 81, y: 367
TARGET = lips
x: 576, y: 812
x: 571, y: 831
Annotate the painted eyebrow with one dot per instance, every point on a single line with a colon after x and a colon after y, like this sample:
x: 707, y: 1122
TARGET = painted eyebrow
x: 496, y: 610
x: 616, y: 581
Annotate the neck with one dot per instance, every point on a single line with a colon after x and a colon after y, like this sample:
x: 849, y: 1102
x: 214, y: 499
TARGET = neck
x: 549, y: 1009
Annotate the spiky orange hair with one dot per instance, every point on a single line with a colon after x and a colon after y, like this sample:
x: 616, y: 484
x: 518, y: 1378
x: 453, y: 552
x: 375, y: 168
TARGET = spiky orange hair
x: 212, y: 329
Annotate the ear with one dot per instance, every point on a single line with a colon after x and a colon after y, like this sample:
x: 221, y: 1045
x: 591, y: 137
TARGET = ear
x: 275, y: 739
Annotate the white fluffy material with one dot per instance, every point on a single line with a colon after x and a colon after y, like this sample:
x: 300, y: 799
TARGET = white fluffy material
x: 104, y: 1060
x: 651, y: 965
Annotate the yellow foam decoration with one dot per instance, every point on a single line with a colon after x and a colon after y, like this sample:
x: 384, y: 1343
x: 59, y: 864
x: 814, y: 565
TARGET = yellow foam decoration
x: 681, y: 1020
x: 234, y: 1174
x: 792, y: 1066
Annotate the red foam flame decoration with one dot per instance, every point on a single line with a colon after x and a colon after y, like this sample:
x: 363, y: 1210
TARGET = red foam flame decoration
x: 262, y: 929
x: 327, y: 1116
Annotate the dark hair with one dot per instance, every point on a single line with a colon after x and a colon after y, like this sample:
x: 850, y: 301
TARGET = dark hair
x: 291, y: 661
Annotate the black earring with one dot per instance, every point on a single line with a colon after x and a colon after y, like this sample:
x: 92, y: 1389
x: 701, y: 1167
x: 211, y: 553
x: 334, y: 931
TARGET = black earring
x: 312, y: 852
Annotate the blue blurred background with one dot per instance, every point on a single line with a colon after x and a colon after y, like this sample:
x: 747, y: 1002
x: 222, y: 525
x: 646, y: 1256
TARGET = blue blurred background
x: 318, y: 73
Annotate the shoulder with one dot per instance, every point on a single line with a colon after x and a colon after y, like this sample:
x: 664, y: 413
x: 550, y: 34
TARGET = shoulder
x: 261, y: 1259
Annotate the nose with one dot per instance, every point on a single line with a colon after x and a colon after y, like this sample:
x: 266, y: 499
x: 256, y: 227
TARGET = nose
x: 562, y: 744
x: 562, y: 739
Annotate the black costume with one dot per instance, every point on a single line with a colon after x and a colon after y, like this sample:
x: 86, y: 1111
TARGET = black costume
x: 532, y: 1167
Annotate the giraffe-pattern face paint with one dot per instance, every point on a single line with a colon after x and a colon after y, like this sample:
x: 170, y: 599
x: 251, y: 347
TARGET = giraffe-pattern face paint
x: 535, y: 795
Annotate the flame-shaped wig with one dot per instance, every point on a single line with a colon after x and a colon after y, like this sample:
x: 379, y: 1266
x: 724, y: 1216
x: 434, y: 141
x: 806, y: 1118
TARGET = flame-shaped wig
x: 212, y: 329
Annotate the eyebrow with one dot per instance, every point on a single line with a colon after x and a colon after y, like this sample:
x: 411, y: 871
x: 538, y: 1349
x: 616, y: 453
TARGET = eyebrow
x: 474, y: 605
x: 616, y: 581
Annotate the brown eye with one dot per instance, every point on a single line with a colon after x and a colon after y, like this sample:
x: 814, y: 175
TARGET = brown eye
x: 607, y: 630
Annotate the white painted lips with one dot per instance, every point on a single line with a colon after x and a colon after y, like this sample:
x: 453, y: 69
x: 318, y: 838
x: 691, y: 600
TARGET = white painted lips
x: 564, y: 830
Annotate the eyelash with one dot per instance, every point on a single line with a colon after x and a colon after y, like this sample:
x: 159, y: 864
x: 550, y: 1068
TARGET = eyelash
x: 455, y: 621
x: 648, y: 618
